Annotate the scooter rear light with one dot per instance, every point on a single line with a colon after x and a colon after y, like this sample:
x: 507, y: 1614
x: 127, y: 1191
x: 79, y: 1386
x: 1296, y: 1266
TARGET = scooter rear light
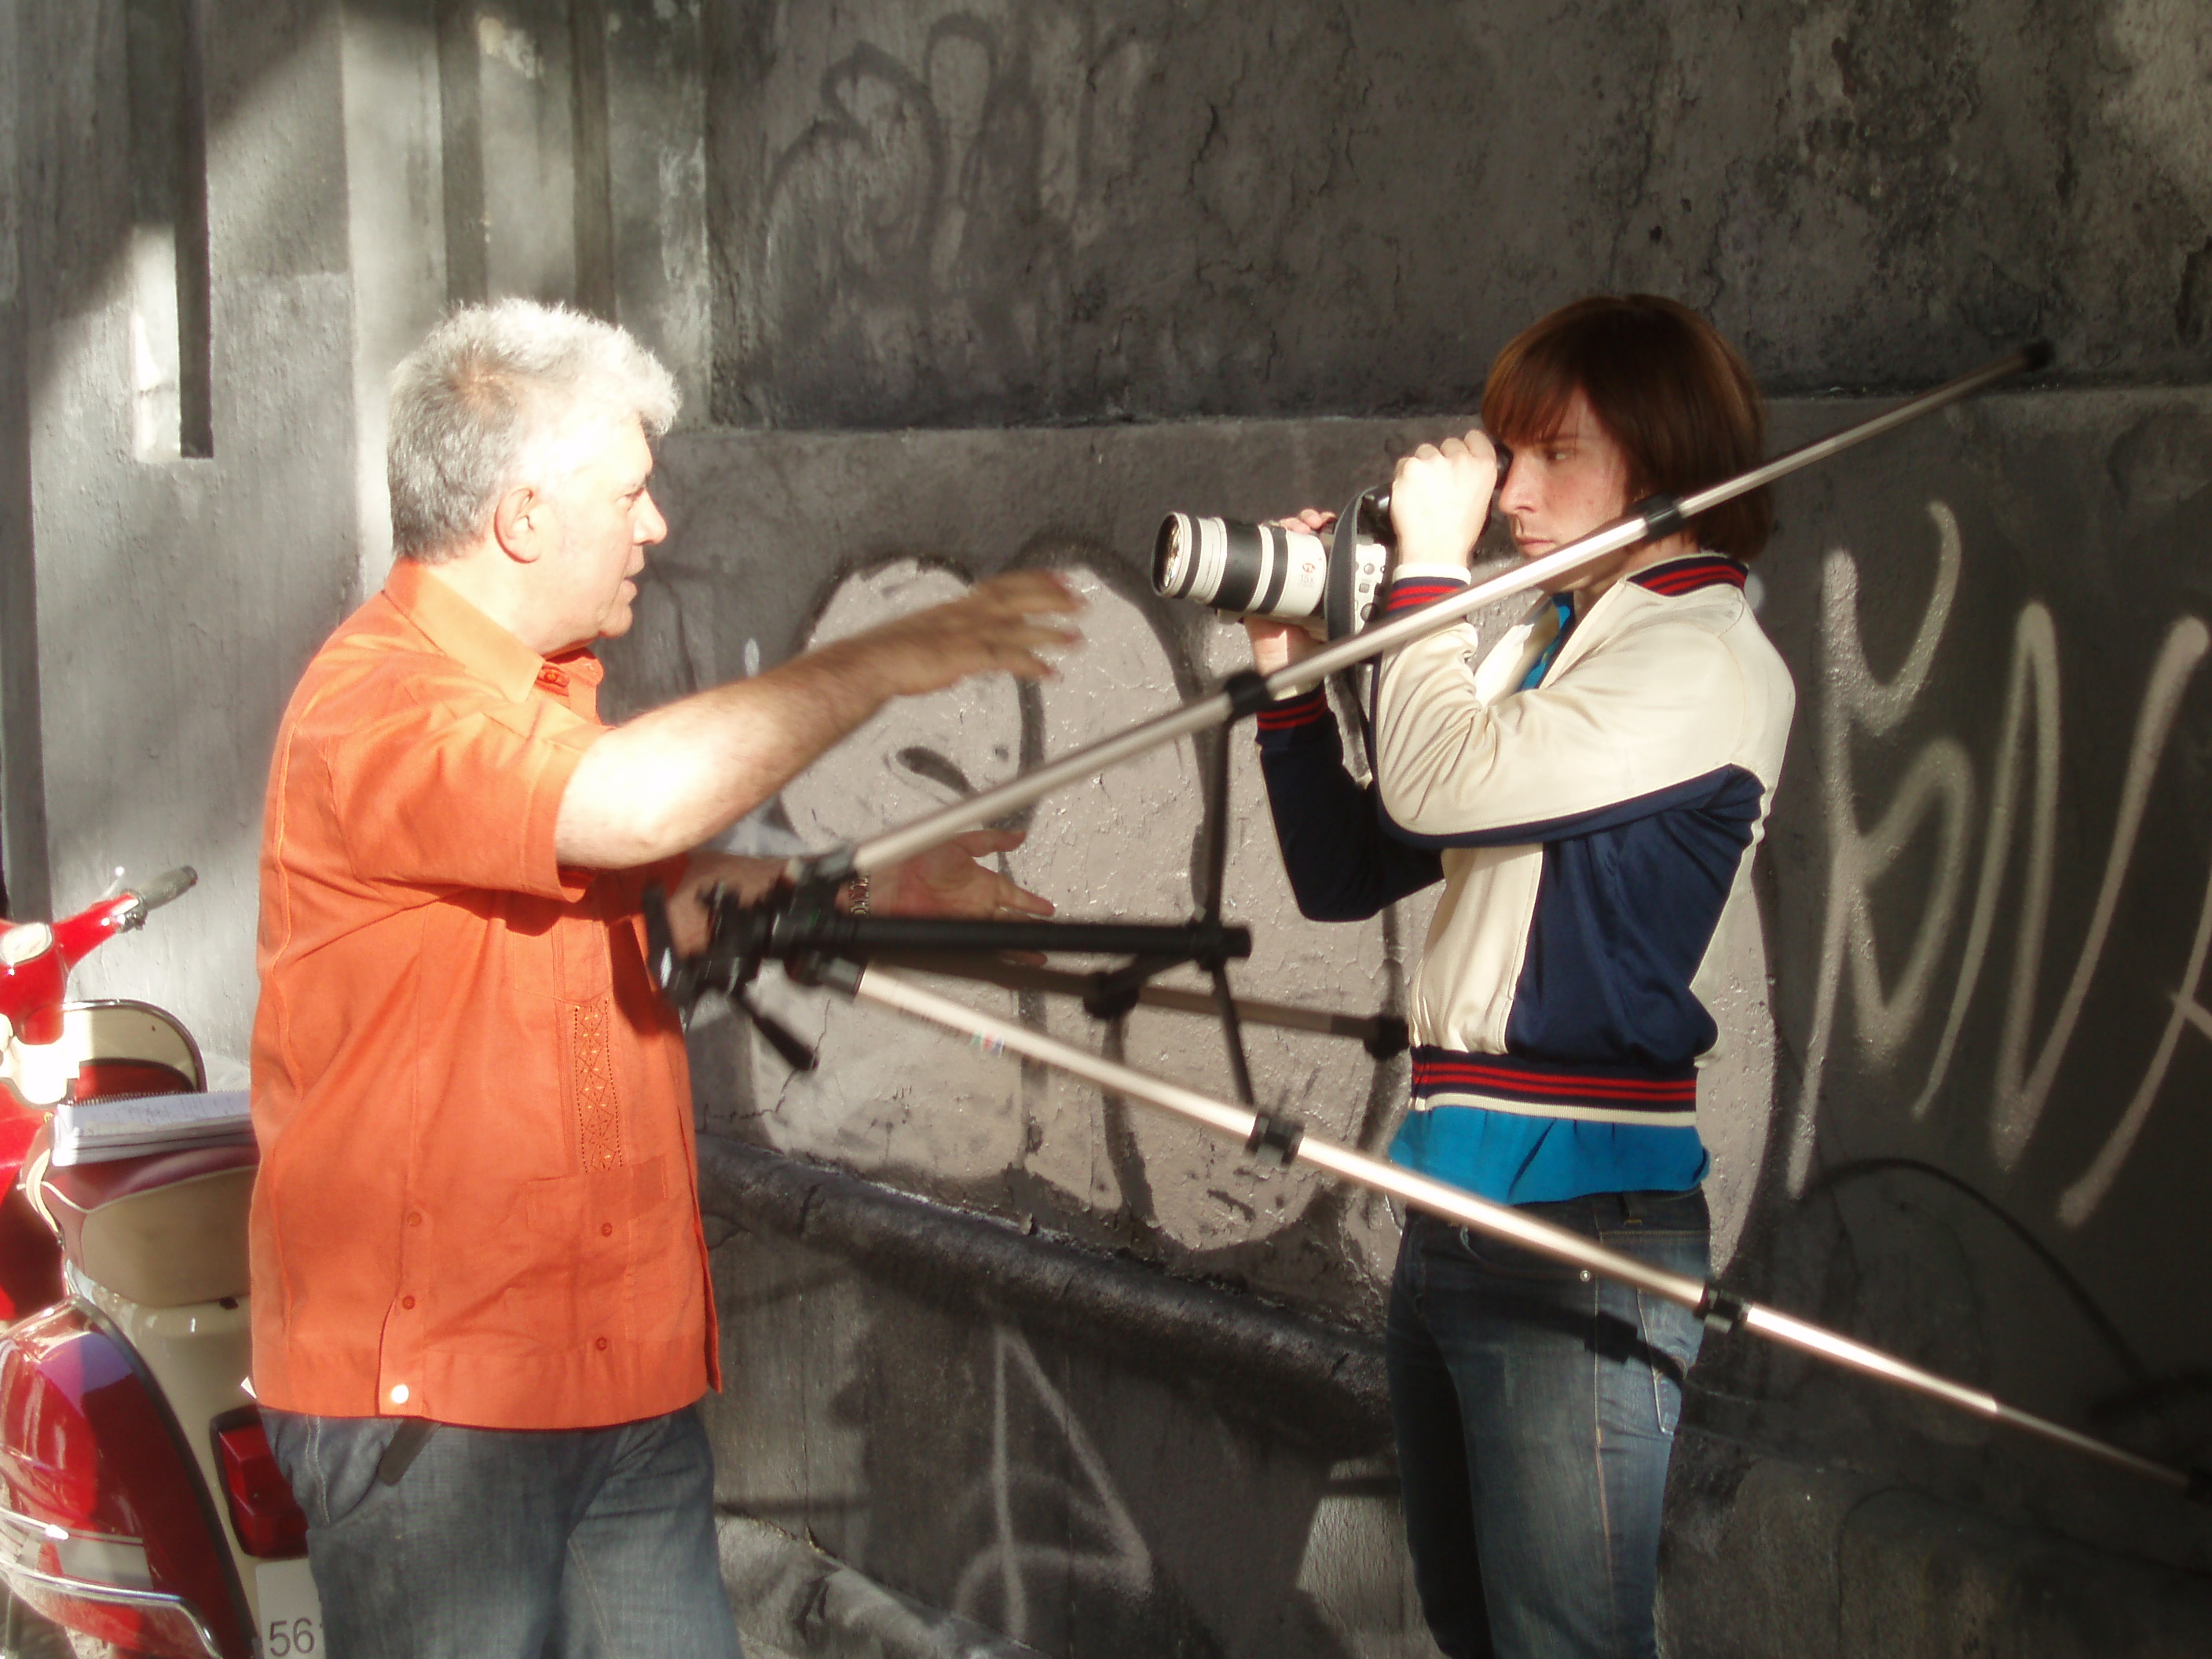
x: 266, y: 1517
x: 104, y: 1494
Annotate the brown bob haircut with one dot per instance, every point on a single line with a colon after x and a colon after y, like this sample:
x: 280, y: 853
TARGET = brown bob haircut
x: 1665, y: 388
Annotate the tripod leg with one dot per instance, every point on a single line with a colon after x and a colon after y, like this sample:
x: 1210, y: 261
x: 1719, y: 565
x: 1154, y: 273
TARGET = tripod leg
x: 1217, y: 878
x: 1232, y: 1033
x: 1217, y: 830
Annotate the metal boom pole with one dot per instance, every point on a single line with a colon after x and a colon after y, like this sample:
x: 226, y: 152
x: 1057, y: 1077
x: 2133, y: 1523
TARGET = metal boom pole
x: 1276, y: 1141
x: 1647, y: 520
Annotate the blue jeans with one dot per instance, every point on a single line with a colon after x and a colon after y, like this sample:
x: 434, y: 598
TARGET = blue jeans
x: 1536, y: 1409
x: 511, y: 1544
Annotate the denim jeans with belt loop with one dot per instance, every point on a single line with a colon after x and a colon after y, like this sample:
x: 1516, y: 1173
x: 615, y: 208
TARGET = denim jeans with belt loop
x: 1535, y: 1405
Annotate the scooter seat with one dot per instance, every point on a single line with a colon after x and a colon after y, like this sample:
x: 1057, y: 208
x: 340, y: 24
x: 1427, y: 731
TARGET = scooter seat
x: 160, y: 1231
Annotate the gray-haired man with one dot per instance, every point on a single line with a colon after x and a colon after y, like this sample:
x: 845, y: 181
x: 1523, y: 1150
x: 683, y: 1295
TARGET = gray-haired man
x: 477, y: 1204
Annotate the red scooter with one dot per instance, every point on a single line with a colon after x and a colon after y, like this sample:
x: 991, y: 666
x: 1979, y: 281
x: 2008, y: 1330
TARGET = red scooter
x: 140, y: 1507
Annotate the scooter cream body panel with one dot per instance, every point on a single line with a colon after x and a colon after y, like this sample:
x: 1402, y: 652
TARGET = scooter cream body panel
x: 201, y: 1355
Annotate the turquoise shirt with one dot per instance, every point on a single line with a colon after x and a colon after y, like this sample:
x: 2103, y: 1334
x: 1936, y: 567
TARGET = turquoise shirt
x: 1512, y: 1159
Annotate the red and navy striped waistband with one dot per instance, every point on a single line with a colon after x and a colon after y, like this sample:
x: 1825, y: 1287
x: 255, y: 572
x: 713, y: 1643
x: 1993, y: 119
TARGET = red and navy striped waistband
x: 1540, y: 1086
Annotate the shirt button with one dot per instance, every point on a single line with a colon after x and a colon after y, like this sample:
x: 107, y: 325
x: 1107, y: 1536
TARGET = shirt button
x: 601, y: 1344
x: 398, y: 1394
x: 414, y: 1217
x: 606, y: 1229
x: 406, y: 1301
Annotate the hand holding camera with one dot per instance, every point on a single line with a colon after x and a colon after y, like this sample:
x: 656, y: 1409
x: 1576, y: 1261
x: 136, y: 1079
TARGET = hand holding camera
x: 1277, y: 643
x: 1326, y: 569
x: 1439, y: 496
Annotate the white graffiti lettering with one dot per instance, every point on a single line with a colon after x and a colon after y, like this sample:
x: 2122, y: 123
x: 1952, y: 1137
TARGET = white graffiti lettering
x: 1941, y: 781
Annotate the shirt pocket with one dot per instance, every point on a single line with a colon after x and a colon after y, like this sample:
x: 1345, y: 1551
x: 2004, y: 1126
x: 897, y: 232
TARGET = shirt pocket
x: 567, y: 1261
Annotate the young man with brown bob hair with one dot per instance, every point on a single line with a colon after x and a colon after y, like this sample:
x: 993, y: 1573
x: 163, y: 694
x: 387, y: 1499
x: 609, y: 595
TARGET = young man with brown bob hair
x: 1589, y: 790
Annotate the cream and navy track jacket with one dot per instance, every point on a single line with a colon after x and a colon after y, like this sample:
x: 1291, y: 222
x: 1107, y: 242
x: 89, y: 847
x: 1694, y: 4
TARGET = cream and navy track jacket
x: 1590, y: 832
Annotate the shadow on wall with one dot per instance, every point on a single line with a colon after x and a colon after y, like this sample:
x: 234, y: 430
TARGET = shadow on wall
x: 905, y: 1102
x: 1109, y: 1462
x: 1955, y: 609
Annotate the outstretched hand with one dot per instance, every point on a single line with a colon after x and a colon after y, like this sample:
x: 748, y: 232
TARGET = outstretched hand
x: 999, y: 624
x: 948, y: 881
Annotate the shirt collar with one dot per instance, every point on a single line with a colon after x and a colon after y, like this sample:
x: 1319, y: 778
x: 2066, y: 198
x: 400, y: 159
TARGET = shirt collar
x: 1685, y: 572
x: 480, y: 645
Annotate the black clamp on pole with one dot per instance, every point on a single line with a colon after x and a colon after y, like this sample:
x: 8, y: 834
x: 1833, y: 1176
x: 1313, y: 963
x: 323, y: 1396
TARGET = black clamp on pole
x: 816, y: 883
x: 1721, y: 1312
x: 1661, y: 516
x: 1387, y: 1037
x: 1275, y: 1140
x: 831, y: 973
x: 1247, y: 691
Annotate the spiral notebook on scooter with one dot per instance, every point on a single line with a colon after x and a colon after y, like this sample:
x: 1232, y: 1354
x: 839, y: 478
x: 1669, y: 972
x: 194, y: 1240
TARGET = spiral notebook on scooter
x: 145, y: 1126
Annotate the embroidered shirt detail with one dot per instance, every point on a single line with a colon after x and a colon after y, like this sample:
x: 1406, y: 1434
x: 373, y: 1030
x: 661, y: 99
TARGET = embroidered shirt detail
x: 598, y: 1115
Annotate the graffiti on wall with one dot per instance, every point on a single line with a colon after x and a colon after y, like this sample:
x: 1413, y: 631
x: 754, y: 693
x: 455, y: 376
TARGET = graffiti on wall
x: 928, y: 168
x: 904, y: 1099
x: 2020, y: 824
x: 1098, y: 1544
x: 901, y: 1097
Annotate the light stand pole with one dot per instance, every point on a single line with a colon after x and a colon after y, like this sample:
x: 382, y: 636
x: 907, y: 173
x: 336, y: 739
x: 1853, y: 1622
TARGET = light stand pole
x: 1275, y: 1141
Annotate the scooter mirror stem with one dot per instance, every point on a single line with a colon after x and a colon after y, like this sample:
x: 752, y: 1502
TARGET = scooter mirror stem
x: 1651, y: 519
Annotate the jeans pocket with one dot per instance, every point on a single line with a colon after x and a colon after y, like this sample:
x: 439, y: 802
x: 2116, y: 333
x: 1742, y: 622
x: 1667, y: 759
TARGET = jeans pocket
x: 1503, y: 1259
x: 1672, y: 1335
x: 330, y: 1462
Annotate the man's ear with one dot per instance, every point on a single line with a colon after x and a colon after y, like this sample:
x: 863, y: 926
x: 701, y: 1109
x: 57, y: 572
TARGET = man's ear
x: 522, y: 524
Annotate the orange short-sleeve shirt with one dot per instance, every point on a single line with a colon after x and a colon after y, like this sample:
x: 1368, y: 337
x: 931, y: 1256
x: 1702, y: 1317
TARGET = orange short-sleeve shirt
x: 478, y: 1199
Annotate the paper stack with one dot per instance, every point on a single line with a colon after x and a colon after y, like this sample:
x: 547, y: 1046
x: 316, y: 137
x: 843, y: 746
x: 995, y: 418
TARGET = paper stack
x: 143, y: 1126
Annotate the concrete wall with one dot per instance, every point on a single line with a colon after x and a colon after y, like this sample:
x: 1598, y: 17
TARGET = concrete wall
x: 952, y: 289
x: 1057, y: 209
x: 1953, y: 1127
x: 169, y: 601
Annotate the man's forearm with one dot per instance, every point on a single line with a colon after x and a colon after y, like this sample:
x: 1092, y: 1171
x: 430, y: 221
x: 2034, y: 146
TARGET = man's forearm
x: 672, y: 778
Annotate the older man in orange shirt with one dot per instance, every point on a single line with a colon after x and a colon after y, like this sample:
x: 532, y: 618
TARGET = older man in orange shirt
x: 477, y: 1208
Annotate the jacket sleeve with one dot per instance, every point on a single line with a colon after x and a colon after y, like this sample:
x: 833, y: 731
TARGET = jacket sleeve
x: 1617, y: 736
x: 1341, y: 865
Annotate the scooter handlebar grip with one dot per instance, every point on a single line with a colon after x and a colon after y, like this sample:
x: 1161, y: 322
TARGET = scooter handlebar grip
x: 168, y: 885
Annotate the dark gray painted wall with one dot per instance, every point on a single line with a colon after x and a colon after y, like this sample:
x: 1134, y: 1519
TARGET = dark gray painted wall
x: 1062, y: 210
x: 1109, y: 1462
x: 2041, y: 1252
